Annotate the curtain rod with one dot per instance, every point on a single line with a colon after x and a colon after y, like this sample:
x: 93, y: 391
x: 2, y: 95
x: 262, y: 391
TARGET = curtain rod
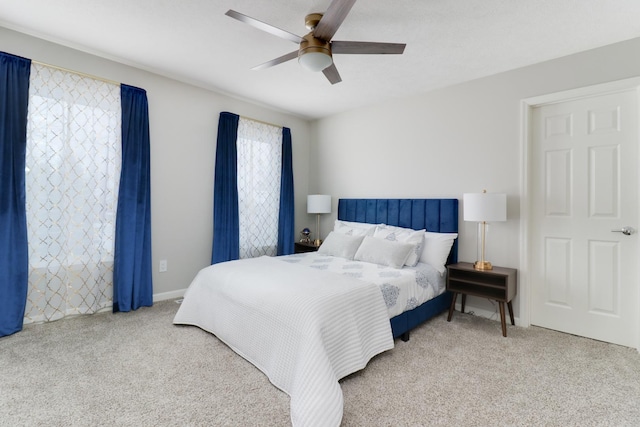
x: 260, y: 121
x: 91, y: 76
x: 102, y: 79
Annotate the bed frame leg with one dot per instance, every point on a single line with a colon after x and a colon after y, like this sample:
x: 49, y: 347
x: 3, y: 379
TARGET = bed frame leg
x: 405, y: 337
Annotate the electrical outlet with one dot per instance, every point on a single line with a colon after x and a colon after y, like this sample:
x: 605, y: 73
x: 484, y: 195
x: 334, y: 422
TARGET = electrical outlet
x: 163, y: 266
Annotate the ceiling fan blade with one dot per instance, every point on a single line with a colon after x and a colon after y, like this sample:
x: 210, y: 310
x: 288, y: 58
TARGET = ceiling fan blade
x: 366, y: 47
x: 284, y: 58
x: 331, y: 73
x: 264, y: 26
x: 332, y: 19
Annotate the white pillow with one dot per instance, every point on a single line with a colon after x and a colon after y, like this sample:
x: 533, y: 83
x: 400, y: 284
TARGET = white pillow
x: 340, y: 245
x: 383, y: 252
x: 354, y: 228
x: 404, y: 235
x: 436, y: 249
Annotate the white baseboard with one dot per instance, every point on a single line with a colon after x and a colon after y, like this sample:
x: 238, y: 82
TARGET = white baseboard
x: 169, y: 295
x: 487, y: 314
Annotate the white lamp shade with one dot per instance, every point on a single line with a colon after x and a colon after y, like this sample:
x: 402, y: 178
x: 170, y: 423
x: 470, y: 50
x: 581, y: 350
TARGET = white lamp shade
x: 315, y: 61
x: 318, y: 204
x: 485, y: 207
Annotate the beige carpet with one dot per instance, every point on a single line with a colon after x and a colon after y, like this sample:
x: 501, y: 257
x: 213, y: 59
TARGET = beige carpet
x: 137, y: 369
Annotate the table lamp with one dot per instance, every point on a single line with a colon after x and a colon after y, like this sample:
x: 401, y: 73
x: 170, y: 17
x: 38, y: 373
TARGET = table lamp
x: 318, y: 204
x: 484, y: 208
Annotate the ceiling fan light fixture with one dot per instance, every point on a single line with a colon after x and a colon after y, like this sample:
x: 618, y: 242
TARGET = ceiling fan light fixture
x: 314, y: 54
x: 315, y: 61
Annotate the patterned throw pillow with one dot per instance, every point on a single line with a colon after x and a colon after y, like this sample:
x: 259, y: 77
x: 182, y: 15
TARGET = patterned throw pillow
x: 340, y: 245
x: 354, y: 228
x: 383, y: 252
x: 403, y: 235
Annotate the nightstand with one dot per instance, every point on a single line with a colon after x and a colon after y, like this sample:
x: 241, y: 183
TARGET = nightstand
x: 498, y: 284
x: 301, y: 248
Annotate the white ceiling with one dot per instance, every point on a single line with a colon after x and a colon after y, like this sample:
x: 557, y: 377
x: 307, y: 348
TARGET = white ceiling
x: 448, y: 42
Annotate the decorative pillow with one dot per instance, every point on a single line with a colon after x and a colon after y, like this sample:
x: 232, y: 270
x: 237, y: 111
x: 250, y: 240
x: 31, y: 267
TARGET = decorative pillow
x: 354, y: 228
x: 340, y: 245
x: 436, y: 249
x: 383, y: 252
x: 404, y: 235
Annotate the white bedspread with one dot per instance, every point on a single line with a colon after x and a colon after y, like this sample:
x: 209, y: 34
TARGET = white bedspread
x: 403, y: 289
x: 304, y: 331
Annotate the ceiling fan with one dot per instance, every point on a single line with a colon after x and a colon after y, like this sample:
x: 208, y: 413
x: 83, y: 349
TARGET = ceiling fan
x: 316, y: 48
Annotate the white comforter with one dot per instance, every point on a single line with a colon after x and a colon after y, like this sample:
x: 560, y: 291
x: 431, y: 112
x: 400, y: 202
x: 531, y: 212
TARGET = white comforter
x: 403, y: 289
x: 304, y: 331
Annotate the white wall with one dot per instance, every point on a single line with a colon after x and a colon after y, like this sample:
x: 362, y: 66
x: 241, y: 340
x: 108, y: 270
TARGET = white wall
x: 183, y: 127
x: 460, y: 139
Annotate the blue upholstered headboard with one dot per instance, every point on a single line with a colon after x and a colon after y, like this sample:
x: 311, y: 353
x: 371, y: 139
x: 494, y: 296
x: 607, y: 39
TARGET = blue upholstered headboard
x: 435, y: 215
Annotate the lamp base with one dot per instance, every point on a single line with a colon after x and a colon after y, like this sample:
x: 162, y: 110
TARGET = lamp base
x: 317, y: 242
x: 482, y: 265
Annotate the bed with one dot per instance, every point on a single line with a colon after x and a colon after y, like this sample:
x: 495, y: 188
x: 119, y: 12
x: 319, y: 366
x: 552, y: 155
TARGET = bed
x: 306, y: 326
x: 434, y: 215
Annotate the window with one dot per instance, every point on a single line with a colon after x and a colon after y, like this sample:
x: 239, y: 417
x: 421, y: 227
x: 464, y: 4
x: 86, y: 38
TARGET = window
x: 73, y: 169
x: 259, y: 151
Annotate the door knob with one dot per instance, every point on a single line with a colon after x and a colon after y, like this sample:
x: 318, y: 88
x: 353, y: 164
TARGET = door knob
x: 626, y: 230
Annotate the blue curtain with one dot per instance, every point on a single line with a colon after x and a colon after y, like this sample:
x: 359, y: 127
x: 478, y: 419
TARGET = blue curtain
x: 286, y: 218
x: 132, y: 284
x: 14, y: 255
x: 226, y: 223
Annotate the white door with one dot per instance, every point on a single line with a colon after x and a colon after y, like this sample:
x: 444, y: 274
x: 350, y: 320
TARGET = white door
x: 583, y: 275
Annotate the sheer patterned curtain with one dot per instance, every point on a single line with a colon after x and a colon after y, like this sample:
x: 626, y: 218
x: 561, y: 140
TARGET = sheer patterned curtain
x: 72, y: 176
x: 259, y: 151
